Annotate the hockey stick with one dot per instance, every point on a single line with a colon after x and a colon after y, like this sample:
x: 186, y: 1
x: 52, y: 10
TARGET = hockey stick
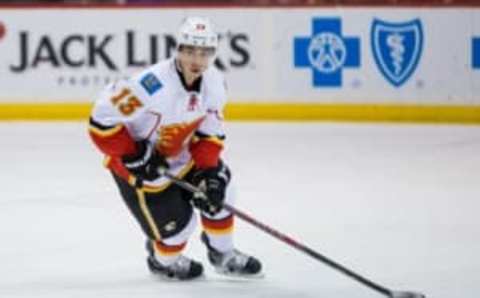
x: 295, y: 244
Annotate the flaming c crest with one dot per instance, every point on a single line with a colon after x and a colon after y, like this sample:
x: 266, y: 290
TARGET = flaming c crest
x: 174, y: 137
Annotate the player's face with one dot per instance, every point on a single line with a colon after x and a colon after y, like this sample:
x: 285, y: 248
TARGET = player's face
x: 194, y: 60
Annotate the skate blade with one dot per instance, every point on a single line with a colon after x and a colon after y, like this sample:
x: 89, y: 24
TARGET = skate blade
x: 241, y: 276
x: 164, y: 278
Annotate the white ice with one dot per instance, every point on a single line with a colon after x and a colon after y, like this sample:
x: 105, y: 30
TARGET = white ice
x: 397, y: 203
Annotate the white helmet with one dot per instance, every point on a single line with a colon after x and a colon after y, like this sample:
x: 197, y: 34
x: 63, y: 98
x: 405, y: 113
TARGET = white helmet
x: 197, y: 31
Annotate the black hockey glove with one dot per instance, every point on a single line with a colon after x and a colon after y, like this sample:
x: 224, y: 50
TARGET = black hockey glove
x: 144, y: 164
x: 213, y: 182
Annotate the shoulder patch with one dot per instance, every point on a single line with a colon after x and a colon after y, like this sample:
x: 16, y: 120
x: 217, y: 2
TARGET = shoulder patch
x: 151, y: 83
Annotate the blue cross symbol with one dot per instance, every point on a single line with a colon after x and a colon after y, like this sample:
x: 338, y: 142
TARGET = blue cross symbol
x: 327, y: 52
x: 476, y: 52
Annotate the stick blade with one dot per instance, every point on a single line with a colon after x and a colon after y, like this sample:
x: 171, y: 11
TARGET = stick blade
x: 402, y: 294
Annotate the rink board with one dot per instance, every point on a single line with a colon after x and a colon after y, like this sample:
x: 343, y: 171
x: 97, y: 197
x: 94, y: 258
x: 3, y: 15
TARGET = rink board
x: 365, y: 64
x: 275, y: 111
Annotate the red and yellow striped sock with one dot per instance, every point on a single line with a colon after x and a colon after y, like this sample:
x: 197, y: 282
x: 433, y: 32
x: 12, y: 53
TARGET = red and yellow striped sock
x: 168, y: 254
x: 219, y: 232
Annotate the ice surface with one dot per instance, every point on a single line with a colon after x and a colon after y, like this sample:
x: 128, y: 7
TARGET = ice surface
x: 396, y: 203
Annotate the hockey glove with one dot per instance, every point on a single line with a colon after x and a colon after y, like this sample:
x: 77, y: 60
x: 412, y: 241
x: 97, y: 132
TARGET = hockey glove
x: 213, y: 181
x: 145, y: 164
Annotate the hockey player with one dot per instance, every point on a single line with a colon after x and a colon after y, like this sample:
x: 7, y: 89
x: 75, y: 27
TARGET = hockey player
x: 170, y: 116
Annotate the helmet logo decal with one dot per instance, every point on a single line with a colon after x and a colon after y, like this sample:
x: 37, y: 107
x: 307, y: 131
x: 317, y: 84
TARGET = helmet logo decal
x: 197, y: 31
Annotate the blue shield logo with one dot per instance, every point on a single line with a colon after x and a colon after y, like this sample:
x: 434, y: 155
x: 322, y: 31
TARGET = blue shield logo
x: 397, y: 48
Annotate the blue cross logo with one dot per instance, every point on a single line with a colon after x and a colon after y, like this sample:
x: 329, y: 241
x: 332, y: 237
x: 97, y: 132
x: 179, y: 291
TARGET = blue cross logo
x: 476, y: 52
x: 327, y: 52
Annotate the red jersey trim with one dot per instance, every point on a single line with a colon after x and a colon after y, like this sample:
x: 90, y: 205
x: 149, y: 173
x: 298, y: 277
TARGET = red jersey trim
x: 114, y: 141
x: 206, y: 152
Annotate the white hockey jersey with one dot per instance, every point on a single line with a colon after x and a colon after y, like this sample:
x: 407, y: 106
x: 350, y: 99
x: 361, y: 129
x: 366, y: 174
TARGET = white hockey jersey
x: 155, y: 105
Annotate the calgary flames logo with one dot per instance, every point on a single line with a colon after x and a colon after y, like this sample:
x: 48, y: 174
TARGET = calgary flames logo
x: 175, y: 136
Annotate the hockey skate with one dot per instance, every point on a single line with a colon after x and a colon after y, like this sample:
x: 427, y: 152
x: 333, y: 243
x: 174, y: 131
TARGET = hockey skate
x: 234, y: 263
x: 182, y: 269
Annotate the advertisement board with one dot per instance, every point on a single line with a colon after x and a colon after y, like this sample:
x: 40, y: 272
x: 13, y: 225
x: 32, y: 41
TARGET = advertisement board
x: 359, y: 56
x: 68, y: 55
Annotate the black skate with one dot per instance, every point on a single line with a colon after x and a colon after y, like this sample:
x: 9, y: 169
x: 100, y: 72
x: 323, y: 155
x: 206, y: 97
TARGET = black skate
x: 234, y: 263
x: 183, y: 268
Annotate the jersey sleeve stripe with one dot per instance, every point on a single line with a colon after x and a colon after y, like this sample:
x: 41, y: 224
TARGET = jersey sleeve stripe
x: 214, y: 140
x: 99, y: 125
x: 218, y: 140
x: 102, y: 130
x: 202, y: 135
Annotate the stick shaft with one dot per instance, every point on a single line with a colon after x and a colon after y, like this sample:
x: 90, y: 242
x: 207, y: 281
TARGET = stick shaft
x: 288, y: 240
x: 305, y: 249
